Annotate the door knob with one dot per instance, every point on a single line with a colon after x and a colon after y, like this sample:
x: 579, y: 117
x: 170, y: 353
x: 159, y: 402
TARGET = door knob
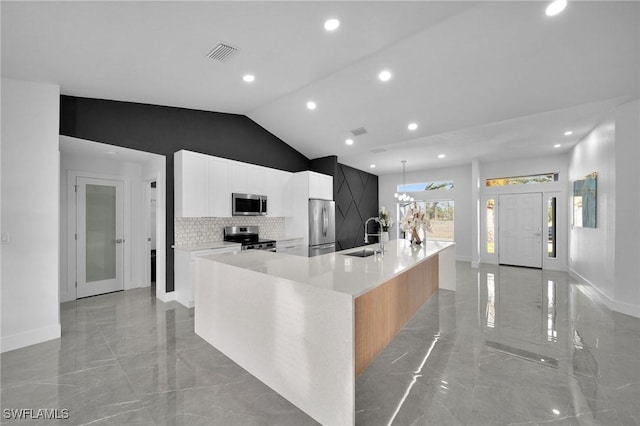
x: 119, y: 241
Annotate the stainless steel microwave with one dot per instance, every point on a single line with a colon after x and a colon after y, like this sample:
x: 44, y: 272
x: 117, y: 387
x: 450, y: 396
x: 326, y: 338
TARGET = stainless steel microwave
x: 248, y: 205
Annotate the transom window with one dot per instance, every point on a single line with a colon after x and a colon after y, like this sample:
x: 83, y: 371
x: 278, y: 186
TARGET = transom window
x: 426, y: 186
x: 523, y: 180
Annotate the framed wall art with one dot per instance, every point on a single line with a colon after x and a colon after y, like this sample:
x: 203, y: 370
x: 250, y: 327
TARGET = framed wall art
x: 585, y: 201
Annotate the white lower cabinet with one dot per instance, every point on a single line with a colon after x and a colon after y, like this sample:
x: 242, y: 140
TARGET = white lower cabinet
x: 295, y: 247
x: 185, y: 270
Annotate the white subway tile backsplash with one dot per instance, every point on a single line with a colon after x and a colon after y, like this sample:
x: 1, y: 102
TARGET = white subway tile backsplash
x: 196, y: 230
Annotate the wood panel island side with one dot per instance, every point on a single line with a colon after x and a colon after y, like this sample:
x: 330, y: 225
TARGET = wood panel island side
x: 307, y: 327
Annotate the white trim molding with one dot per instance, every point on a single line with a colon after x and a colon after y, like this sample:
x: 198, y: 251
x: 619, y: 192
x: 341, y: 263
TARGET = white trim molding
x: 30, y: 337
x: 614, y: 305
x: 68, y: 289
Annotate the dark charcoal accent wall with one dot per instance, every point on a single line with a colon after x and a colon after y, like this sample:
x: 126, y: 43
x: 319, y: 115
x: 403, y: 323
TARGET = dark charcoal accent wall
x: 356, y: 196
x: 165, y: 130
x: 326, y: 165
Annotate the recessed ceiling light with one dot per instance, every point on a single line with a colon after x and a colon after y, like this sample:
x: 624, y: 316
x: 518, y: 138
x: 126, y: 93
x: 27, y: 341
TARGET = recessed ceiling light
x: 556, y: 7
x: 568, y: 133
x: 111, y: 152
x: 384, y: 75
x: 373, y: 166
x: 412, y: 126
x: 557, y: 145
x: 249, y: 78
x: 441, y: 156
x: 349, y: 141
x: 311, y: 105
x: 331, y: 24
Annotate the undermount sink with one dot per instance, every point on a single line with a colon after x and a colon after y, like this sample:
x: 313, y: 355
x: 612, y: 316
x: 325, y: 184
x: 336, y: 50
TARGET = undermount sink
x: 361, y: 253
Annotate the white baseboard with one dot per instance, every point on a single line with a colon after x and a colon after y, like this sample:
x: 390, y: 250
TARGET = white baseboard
x: 460, y: 258
x: 67, y: 297
x: 31, y: 337
x: 614, y: 305
x: 167, y: 297
x: 184, y: 302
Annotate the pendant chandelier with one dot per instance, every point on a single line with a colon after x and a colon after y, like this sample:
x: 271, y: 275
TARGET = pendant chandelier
x: 404, y: 197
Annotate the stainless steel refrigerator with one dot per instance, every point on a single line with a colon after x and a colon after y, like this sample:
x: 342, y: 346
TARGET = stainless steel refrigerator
x: 322, y: 227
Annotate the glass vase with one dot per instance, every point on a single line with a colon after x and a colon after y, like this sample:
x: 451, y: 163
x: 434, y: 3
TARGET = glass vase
x: 415, y: 238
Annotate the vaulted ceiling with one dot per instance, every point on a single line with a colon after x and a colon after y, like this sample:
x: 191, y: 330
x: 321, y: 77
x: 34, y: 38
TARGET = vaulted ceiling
x: 487, y: 80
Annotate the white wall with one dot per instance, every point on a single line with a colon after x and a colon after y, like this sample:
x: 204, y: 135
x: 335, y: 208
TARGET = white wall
x: 627, y: 146
x: 607, y: 256
x: 134, y: 235
x: 460, y: 194
x: 30, y: 212
x: 592, y: 250
x: 155, y: 169
x: 530, y: 166
x: 152, y: 218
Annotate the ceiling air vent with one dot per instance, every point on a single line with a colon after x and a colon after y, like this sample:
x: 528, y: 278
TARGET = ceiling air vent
x: 359, y: 131
x: 378, y: 150
x: 222, y: 51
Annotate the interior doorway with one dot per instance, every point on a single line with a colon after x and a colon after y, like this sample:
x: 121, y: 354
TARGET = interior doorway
x: 520, y: 229
x: 151, y: 232
x: 137, y: 170
x: 99, y: 236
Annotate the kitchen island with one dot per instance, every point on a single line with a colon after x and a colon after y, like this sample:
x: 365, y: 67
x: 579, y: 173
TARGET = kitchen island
x: 307, y: 327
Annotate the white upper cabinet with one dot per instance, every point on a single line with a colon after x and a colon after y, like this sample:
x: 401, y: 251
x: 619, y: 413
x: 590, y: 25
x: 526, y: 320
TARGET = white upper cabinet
x: 219, y: 195
x: 191, y: 184
x: 320, y: 186
x: 273, y: 193
x: 274, y: 186
x: 284, y: 183
x: 238, y: 178
x: 204, y: 184
x: 254, y: 179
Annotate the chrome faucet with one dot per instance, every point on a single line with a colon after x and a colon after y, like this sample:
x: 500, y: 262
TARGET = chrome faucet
x: 366, y: 234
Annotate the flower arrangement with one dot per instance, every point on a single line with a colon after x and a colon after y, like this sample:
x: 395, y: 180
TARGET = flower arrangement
x: 384, y: 218
x: 414, y: 219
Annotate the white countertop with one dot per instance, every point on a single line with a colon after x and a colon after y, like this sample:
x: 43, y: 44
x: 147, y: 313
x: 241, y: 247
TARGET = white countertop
x: 335, y: 271
x: 224, y: 244
x: 207, y: 246
x: 281, y: 238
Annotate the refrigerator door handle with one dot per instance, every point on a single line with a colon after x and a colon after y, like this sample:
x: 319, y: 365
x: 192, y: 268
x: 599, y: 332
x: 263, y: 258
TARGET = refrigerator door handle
x: 325, y: 222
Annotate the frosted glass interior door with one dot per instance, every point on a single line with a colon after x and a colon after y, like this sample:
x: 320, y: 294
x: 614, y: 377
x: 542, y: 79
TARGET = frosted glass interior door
x: 100, y: 241
x: 520, y: 230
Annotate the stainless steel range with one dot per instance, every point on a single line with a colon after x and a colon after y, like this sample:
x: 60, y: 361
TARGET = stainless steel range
x: 249, y: 237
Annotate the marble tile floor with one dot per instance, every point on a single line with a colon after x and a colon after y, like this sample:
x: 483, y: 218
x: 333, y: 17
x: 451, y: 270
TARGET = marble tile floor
x: 512, y: 346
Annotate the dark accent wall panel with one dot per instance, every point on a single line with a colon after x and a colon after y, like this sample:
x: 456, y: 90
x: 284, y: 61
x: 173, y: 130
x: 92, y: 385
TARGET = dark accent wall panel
x: 165, y: 130
x: 356, y: 197
x: 325, y: 165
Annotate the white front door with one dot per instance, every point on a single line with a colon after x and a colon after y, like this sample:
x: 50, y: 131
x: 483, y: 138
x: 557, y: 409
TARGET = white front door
x: 100, y: 241
x: 520, y: 230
